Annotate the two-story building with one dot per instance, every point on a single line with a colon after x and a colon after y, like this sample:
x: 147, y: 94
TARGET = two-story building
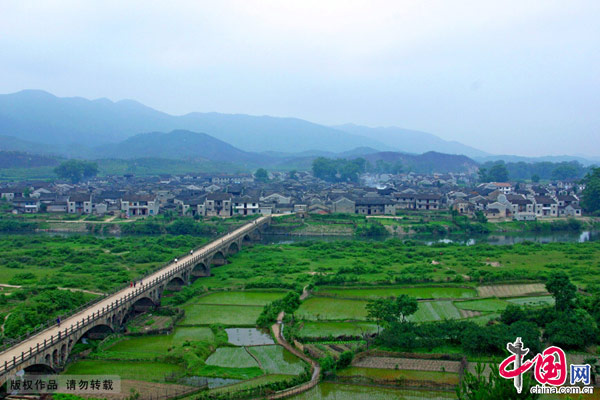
x: 79, y: 203
x: 139, y: 205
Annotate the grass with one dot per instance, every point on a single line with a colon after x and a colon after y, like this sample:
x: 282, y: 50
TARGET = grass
x: 277, y: 360
x: 532, y: 301
x: 231, y: 357
x: 145, y: 371
x: 433, y: 292
x: 150, y: 347
x: 324, y: 308
x: 335, y: 329
x: 435, y: 311
x: 196, y: 314
x: 262, y: 380
x: 483, y: 305
x: 251, y: 298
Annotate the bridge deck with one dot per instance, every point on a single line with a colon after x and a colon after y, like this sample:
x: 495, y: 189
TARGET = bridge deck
x: 24, y: 347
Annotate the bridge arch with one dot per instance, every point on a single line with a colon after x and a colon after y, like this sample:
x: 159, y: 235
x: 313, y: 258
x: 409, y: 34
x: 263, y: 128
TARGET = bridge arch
x: 233, y: 248
x: 200, y: 269
x: 218, y: 259
x: 175, y: 284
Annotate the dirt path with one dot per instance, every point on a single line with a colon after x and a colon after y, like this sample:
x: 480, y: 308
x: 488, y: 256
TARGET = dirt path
x: 59, y: 288
x: 253, y: 356
x: 4, y: 322
x: 305, y: 293
x: 316, y: 368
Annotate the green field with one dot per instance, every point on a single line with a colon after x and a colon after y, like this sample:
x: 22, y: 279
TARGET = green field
x: 432, y: 292
x: 150, y: 347
x: 532, y: 301
x: 145, y: 371
x: 275, y: 359
x: 395, y: 374
x: 483, y: 305
x: 337, y: 391
x: 231, y: 357
x: 261, y: 380
x: 324, y: 329
x: 249, y: 298
x: 326, y: 308
x: 435, y: 311
x: 332, y: 309
x: 198, y: 314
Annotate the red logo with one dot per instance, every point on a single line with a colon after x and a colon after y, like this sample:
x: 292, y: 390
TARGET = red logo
x: 550, y: 365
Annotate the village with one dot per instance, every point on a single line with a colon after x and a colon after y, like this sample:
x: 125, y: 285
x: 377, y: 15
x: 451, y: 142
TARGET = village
x: 227, y: 195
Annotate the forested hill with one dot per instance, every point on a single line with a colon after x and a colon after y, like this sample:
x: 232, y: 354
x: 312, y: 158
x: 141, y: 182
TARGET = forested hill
x: 425, y: 163
x: 17, y: 159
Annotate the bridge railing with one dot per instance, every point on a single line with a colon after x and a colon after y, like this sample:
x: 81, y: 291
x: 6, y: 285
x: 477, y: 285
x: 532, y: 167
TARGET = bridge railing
x: 26, y: 355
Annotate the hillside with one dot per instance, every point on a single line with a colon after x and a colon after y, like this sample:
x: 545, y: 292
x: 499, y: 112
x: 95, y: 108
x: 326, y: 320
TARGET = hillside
x: 410, y: 141
x: 41, y: 117
x: 17, y: 159
x: 427, y: 162
x: 178, y: 145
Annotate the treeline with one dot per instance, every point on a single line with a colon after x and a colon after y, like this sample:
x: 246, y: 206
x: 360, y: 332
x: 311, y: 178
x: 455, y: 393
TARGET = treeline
x: 343, y: 170
x: 499, y: 171
x: 571, y: 323
x: 179, y: 226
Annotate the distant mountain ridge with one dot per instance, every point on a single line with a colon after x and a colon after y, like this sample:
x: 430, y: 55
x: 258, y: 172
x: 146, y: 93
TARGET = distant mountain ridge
x: 411, y: 141
x: 178, y: 144
x: 41, y: 117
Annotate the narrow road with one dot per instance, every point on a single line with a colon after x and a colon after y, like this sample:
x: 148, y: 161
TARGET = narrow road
x: 316, y: 368
x: 24, y: 346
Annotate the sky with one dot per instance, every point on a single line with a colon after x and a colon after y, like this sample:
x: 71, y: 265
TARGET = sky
x: 508, y: 77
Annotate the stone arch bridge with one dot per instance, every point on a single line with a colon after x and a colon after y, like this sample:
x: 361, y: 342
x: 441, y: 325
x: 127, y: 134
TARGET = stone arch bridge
x: 49, y: 349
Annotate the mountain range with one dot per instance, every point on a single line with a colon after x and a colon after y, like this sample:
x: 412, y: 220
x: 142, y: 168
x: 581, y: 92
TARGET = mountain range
x: 70, y: 125
x: 38, y: 122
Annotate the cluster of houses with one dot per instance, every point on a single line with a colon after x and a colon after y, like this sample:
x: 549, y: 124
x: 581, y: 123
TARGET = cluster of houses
x: 222, y: 195
x: 502, y: 200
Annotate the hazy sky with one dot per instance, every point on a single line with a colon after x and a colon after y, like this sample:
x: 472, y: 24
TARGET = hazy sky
x: 519, y: 77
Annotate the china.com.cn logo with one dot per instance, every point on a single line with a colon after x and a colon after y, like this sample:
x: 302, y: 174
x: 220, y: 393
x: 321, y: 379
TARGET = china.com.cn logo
x: 550, y: 367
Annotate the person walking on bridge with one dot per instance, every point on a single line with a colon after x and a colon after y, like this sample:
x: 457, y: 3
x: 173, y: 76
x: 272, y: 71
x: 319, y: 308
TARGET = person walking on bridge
x: 58, y: 321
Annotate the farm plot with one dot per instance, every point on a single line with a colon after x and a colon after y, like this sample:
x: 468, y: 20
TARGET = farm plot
x: 398, y: 374
x: 147, y: 371
x: 511, y: 290
x: 324, y: 308
x: 435, y: 311
x: 533, y: 301
x: 335, y: 329
x: 204, y: 314
x: 413, y: 364
x: 248, y: 298
x: 231, y: 357
x: 483, y: 305
x: 277, y: 360
x: 425, y: 292
x: 248, y: 337
x: 150, y: 347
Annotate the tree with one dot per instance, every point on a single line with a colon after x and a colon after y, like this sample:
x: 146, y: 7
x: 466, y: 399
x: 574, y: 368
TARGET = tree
x: 590, y: 197
x: 535, y: 178
x: 498, y: 173
x: 293, y: 174
x: 483, y: 175
x: 76, y: 170
x: 565, y: 171
x: 563, y: 291
x: 261, y: 175
x: 574, y: 329
x: 404, y: 306
x: 380, y: 311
